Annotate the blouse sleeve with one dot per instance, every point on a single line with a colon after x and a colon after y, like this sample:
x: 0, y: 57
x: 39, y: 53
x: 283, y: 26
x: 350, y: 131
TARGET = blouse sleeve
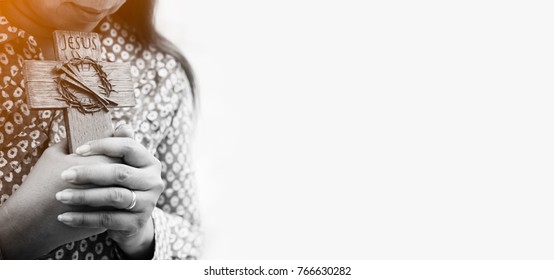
x: 176, y: 218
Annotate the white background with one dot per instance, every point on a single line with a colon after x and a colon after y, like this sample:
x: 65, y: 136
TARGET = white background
x: 372, y: 129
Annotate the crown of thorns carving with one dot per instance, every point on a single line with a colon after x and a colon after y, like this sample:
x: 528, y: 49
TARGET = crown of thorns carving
x: 70, y: 77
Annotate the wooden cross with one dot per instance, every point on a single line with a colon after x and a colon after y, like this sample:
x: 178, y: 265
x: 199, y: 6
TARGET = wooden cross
x: 42, y: 80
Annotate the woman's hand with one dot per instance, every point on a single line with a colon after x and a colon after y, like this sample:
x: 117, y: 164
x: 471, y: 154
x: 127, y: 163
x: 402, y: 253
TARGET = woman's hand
x: 28, y: 218
x: 130, y: 190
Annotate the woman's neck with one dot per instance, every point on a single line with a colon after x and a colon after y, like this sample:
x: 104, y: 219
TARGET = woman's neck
x: 21, y: 15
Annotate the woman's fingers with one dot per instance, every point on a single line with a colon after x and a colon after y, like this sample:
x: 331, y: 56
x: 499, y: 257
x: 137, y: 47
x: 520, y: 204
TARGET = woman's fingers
x: 106, y: 175
x: 115, y: 174
x: 126, y: 148
x: 120, y: 221
x: 133, y: 188
x: 120, y: 198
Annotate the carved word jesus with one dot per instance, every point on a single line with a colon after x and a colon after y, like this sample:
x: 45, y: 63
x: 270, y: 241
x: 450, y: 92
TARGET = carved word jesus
x: 77, y: 42
x: 81, y: 85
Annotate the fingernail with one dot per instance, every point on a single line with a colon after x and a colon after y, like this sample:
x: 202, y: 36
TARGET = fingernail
x: 64, y: 218
x: 83, y: 149
x: 69, y: 175
x: 64, y: 196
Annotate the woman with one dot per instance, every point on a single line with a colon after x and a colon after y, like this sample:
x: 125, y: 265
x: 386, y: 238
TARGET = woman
x: 128, y: 196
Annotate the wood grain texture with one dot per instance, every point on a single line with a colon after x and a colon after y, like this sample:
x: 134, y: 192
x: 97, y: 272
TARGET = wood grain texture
x: 82, y: 128
x: 42, y: 91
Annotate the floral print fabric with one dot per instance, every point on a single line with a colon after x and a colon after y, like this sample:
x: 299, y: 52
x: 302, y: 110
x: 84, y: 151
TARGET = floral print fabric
x: 162, y: 120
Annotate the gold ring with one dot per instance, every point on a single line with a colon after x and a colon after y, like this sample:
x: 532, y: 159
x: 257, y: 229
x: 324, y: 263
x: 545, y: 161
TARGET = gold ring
x: 134, y: 202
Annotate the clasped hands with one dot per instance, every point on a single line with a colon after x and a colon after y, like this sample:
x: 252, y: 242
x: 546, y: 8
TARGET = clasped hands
x: 68, y: 197
x: 125, y: 194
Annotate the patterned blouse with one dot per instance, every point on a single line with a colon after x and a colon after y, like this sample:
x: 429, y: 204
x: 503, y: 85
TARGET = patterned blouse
x: 162, y: 120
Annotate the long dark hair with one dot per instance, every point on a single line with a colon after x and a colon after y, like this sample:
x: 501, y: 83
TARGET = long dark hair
x: 139, y: 14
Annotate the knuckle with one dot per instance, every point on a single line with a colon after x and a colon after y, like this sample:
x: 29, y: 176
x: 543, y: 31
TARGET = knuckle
x: 157, y: 164
x: 129, y: 146
x: 132, y: 231
x: 150, y: 203
x: 158, y: 185
x: 79, y: 220
x: 115, y: 195
x: 81, y: 174
x: 79, y: 197
x: 153, y: 203
x: 140, y: 223
x: 121, y: 235
x: 105, y: 220
x: 121, y: 173
x: 132, y: 228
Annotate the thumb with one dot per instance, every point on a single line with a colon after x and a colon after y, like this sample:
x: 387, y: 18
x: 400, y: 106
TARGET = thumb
x: 124, y: 130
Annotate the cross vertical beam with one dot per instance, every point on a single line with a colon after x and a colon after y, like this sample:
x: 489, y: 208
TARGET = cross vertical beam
x: 42, y: 91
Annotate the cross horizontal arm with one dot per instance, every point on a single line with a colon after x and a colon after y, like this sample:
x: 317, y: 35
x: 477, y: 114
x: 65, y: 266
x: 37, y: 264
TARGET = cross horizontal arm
x: 43, y: 93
